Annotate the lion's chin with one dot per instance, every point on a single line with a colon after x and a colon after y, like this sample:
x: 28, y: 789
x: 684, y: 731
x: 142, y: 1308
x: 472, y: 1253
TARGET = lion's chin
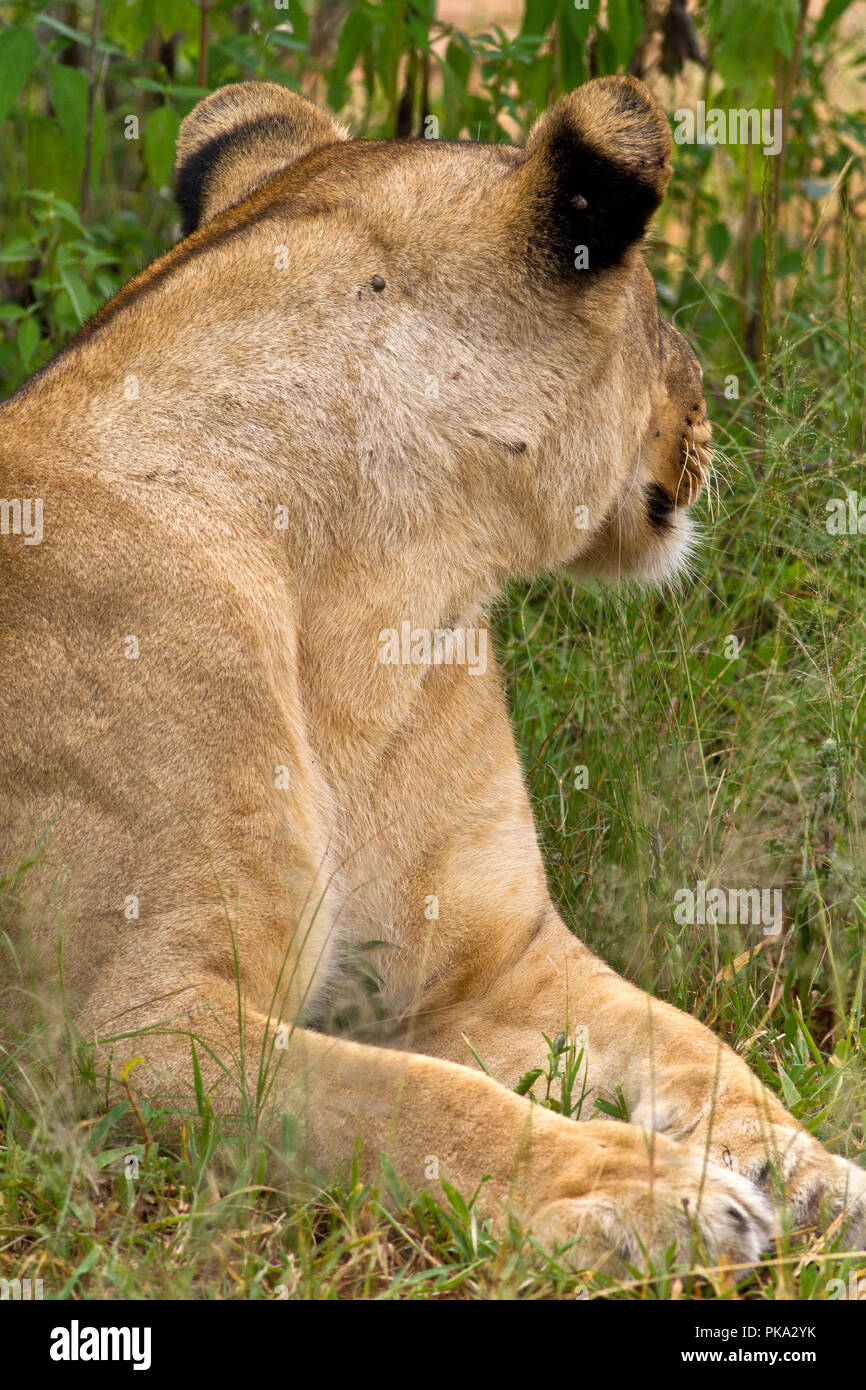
x: 657, y: 559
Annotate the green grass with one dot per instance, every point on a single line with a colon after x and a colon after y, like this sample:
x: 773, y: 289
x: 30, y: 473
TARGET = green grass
x: 742, y: 771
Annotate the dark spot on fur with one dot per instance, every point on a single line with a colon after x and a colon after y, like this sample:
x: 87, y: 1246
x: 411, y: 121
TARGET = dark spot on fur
x: 535, y: 931
x: 659, y: 506
x: 516, y: 446
x: 378, y: 283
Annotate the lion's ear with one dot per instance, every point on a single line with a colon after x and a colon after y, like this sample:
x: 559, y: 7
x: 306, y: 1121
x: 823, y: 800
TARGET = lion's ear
x: 595, y: 169
x: 237, y: 138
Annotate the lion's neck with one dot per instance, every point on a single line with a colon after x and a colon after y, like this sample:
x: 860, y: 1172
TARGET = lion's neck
x: 369, y: 640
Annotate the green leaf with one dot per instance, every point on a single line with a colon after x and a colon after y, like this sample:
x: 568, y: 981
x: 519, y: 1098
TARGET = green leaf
x: 456, y: 1202
x: 782, y: 34
x: 28, y: 339
x: 129, y: 22
x: 52, y: 161
x: 538, y: 16
x: 744, y: 50
x: 196, y: 1077
x: 176, y: 15
x: 54, y: 207
x: 625, y: 25
x: 160, y: 137
x: 69, y: 92
x: 353, y: 40
x: 18, y: 251
x: 833, y: 10
x: 790, y: 262
x: 396, y: 1190
x: 78, y: 35
x: 459, y: 61
x: 718, y: 241
x: 85, y: 1267
x: 481, y: 1064
x: 104, y: 1124
x: 608, y: 1108
x: 789, y: 1090
x: 82, y: 303
x: 300, y: 21
x: 18, y: 52
x: 606, y: 53
x: 419, y: 32
x: 528, y: 1080
x: 573, y: 31
x: 116, y: 1155
x: 534, y: 81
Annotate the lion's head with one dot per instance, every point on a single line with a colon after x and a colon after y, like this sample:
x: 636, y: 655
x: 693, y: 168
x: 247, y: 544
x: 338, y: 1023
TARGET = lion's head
x: 489, y: 352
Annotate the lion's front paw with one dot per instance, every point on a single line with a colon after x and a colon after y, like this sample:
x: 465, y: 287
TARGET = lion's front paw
x: 838, y: 1196
x: 817, y: 1190
x: 822, y: 1191
x: 706, y: 1211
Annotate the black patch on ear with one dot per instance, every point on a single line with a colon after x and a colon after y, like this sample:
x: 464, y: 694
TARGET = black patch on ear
x: 659, y: 507
x: 192, y: 177
x: 619, y: 203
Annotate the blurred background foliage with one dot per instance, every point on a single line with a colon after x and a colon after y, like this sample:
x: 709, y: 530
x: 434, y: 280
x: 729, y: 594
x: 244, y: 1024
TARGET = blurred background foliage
x: 92, y: 93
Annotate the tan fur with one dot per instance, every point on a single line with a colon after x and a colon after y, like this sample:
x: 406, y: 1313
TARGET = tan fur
x: 254, y: 461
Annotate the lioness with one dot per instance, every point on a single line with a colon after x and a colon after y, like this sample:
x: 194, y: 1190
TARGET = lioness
x: 372, y: 383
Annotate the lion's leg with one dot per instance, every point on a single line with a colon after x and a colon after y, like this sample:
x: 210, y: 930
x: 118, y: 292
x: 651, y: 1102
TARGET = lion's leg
x: 676, y: 1076
x: 484, y: 956
x: 611, y: 1186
